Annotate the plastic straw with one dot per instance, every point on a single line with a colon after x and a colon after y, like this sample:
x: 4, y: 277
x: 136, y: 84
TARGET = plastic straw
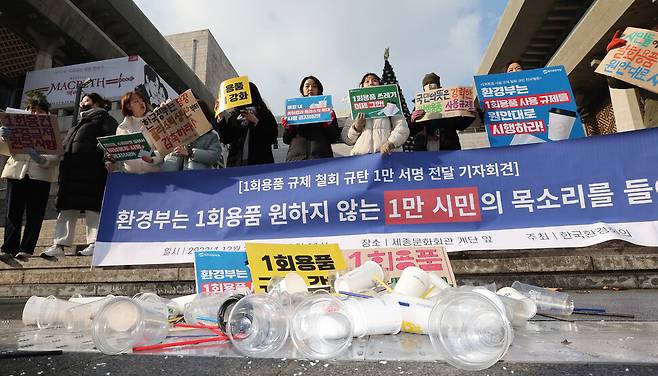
x: 582, y: 309
x: 354, y: 294
x: 180, y: 343
x: 387, y: 287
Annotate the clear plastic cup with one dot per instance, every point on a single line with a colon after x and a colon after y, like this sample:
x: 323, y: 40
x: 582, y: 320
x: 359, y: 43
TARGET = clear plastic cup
x: 204, y: 308
x: 31, y: 310
x: 258, y: 325
x: 360, y: 279
x: 469, y: 329
x: 51, y: 312
x: 380, y: 314
x: 172, y: 307
x: 80, y: 318
x: 321, y: 327
x: 123, y: 323
x: 549, y: 302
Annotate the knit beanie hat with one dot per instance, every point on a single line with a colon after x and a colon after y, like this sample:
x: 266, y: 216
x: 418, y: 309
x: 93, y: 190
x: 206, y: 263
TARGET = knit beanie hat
x: 431, y: 78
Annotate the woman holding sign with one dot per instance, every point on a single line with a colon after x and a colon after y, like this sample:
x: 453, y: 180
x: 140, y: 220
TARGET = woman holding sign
x: 82, y: 175
x: 134, y: 107
x: 375, y: 135
x: 249, y: 130
x: 310, y: 141
x: 28, y: 184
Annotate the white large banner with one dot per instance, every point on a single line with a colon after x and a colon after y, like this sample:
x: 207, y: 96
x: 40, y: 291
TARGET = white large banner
x: 110, y: 78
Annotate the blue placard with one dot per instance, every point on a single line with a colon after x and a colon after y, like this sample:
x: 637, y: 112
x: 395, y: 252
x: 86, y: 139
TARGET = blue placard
x: 530, y: 106
x: 601, y: 188
x: 306, y: 110
x: 217, y: 271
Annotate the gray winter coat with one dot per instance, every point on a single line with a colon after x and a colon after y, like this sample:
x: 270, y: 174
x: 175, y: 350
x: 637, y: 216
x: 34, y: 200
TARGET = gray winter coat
x: 206, y: 151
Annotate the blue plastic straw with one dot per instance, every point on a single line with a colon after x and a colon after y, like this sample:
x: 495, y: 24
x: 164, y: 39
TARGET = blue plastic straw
x: 582, y: 309
x: 355, y: 294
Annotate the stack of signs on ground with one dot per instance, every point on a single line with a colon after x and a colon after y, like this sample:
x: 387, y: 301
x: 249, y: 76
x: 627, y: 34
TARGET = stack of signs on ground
x: 38, y: 132
x: 178, y: 122
x: 445, y: 102
x: 233, y: 92
x: 125, y: 147
x: 528, y: 107
x: 306, y: 110
x: 375, y: 101
x: 634, y: 62
x: 394, y: 260
x: 314, y: 262
x: 218, y: 271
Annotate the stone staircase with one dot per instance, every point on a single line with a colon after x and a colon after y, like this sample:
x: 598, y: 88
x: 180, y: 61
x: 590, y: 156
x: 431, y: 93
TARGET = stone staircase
x: 614, y: 264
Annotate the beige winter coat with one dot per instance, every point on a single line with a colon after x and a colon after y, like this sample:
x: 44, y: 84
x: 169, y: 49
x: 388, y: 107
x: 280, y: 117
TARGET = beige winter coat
x: 133, y: 124
x: 20, y: 165
x: 376, y: 132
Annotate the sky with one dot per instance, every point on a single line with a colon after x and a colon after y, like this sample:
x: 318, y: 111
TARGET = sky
x: 277, y: 43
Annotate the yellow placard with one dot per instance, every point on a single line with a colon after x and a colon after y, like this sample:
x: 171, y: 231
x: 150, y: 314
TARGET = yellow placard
x: 234, y: 92
x: 314, y: 262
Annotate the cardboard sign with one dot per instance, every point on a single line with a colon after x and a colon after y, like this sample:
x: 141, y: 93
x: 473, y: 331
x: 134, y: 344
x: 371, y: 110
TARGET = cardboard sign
x: 217, y: 271
x: 394, y: 260
x: 314, y: 262
x: 39, y: 132
x: 634, y: 62
x: 305, y: 110
x: 175, y: 123
x: 445, y: 102
x: 125, y: 147
x: 375, y: 101
x: 234, y: 92
x: 529, y: 107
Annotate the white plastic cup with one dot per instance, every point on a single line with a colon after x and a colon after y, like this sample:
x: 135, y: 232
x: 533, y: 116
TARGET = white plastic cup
x: 469, y: 329
x: 560, y: 123
x: 413, y: 282
x: 415, y: 314
x: 321, y: 327
x: 258, y: 325
x: 377, y: 315
x: 360, y: 279
x: 52, y: 312
x: 124, y: 323
x: 549, y: 302
x: 182, y: 301
x: 80, y: 318
x: 292, y: 283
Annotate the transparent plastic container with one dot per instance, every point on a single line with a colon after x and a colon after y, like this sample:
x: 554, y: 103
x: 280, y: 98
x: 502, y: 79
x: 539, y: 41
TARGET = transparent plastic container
x: 51, y: 312
x: 258, y: 325
x: 123, y: 323
x: 549, y: 302
x: 80, y: 318
x: 321, y: 327
x: 469, y: 329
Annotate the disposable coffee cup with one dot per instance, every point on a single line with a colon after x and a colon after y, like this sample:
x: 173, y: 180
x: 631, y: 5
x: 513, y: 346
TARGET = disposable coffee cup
x: 360, y: 279
x: 529, y: 309
x: 182, y: 301
x: 415, y: 314
x: 377, y: 315
x: 80, y: 318
x: 52, y: 312
x: 469, y: 329
x: 123, y: 323
x: 547, y: 301
x: 203, y: 309
x: 560, y: 123
x: 258, y: 325
x: 32, y: 309
x: 523, y: 139
x: 172, y: 307
x: 292, y: 283
x: 321, y: 327
x: 413, y: 282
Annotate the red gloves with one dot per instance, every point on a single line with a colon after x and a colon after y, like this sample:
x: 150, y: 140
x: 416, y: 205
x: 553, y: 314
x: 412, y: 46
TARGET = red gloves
x: 417, y: 114
x: 328, y: 123
x: 615, y: 42
x: 284, y: 124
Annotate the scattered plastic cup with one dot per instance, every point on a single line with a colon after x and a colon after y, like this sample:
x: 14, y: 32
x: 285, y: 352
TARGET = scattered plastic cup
x: 360, y: 279
x: 292, y: 283
x: 377, y: 315
x: 204, y: 308
x: 31, y: 310
x: 528, y: 309
x: 87, y: 299
x: 172, y: 307
x: 51, y: 312
x: 124, y: 323
x: 80, y: 318
x: 413, y: 282
x: 470, y: 329
x: 549, y: 302
x: 321, y: 327
x: 182, y: 301
x: 258, y: 325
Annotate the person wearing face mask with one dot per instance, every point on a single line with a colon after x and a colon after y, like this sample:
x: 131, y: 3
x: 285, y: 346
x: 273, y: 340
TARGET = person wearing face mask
x: 380, y: 135
x: 82, y: 175
x: 436, y: 134
x: 249, y: 131
x: 134, y: 107
x: 28, y: 185
x: 310, y: 141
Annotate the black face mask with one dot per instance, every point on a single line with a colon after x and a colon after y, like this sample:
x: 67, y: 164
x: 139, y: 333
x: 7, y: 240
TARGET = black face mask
x: 86, y: 107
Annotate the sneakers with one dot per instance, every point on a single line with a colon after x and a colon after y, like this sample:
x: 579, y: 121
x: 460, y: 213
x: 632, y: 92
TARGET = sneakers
x: 54, y: 251
x: 87, y: 251
x: 23, y: 256
x: 4, y: 255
